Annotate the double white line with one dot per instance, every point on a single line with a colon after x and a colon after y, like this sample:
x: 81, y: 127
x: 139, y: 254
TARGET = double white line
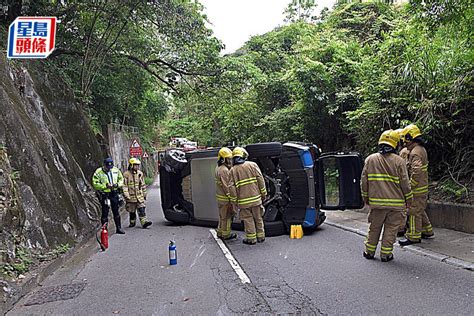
x: 232, y: 261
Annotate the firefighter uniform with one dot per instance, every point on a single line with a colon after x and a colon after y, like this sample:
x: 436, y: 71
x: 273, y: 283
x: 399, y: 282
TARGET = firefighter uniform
x: 108, y: 180
x: 250, y: 192
x: 386, y: 189
x: 418, y: 221
x: 134, y: 191
x: 404, y: 152
x: 224, y: 199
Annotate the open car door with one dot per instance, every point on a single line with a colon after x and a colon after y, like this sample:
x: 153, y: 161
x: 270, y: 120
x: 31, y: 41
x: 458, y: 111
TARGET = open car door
x: 338, y: 179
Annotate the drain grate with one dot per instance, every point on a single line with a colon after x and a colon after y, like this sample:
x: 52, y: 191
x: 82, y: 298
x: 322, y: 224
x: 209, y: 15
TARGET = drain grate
x: 56, y: 293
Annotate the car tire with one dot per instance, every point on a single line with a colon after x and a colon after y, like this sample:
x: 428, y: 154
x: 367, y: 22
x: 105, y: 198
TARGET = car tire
x: 175, y: 160
x: 272, y: 149
x: 276, y: 228
x: 177, y: 217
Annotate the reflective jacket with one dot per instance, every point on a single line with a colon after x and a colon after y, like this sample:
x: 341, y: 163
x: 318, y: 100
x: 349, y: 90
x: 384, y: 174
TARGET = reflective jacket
x: 101, y: 178
x: 384, y: 181
x: 134, y: 188
x: 249, y: 184
x: 225, y: 191
x: 404, y: 154
x: 418, y: 170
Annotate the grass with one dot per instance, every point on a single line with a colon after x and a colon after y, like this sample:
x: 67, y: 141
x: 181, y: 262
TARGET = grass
x: 148, y: 180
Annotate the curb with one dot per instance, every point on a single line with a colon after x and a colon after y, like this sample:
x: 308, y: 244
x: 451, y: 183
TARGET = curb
x: 459, y: 263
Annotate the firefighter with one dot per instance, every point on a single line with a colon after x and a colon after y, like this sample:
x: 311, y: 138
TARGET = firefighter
x: 134, y: 191
x: 250, y: 192
x: 108, y: 181
x: 403, y: 152
x: 225, y: 192
x: 386, y: 189
x: 419, y: 225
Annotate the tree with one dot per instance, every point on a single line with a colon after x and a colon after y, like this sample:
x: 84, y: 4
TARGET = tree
x: 300, y: 10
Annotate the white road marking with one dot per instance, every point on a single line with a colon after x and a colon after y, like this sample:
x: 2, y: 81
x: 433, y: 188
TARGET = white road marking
x: 198, y: 255
x: 232, y: 261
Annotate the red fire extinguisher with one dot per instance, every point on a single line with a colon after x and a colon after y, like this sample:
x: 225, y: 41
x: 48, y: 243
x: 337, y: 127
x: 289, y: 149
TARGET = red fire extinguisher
x: 104, y: 238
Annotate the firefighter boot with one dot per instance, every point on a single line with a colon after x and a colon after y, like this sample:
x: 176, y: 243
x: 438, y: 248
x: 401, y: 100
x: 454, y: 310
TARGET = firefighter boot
x: 406, y: 242
x: 368, y: 256
x: 132, y: 219
x: 118, y: 225
x: 387, y: 258
x: 143, y: 220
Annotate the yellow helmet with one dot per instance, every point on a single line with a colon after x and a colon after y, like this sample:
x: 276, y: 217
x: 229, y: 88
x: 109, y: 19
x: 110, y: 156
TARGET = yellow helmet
x: 240, y: 152
x: 224, y: 153
x: 134, y: 161
x: 390, y: 137
x: 412, y: 131
x: 400, y: 133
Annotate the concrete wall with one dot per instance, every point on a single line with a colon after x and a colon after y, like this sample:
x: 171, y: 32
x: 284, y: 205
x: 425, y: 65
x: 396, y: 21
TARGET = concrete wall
x: 120, y: 138
x: 452, y: 216
x: 459, y: 217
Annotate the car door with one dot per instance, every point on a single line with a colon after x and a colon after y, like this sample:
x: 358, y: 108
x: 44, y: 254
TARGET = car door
x: 338, y: 180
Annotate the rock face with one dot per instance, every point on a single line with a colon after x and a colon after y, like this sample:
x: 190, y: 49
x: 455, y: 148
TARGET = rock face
x: 48, y: 154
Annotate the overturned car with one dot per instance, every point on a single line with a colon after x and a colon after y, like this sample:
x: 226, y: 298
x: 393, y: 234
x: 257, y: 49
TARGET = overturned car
x: 300, y: 182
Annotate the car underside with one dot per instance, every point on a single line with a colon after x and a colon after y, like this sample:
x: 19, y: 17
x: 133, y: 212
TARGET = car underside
x: 294, y: 175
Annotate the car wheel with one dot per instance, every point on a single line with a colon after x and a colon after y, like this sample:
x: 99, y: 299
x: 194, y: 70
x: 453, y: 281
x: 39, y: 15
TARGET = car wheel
x: 272, y: 149
x: 177, y: 216
x: 175, y: 160
x: 276, y: 228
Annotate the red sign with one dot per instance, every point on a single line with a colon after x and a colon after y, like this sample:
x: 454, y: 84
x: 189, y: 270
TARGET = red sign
x: 145, y: 155
x: 135, y: 149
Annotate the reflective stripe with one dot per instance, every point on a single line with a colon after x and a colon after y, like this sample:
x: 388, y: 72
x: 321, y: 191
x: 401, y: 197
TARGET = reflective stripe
x: 424, y: 167
x: 383, y: 177
x: 263, y: 190
x: 386, y: 202
x: 245, y: 181
x: 251, y: 236
x: 421, y: 190
x: 386, y: 252
x: 413, y: 183
x: 409, y: 195
x: 260, y: 235
x: 412, y: 233
x: 223, y: 198
x: 370, y: 247
x: 250, y: 200
x: 365, y: 194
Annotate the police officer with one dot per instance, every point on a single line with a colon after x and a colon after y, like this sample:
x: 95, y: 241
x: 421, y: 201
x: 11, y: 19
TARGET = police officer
x: 386, y: 189
x: 108, y: 181
x: 134, y: 191
x: 225, y: 194
x: 250, y: 193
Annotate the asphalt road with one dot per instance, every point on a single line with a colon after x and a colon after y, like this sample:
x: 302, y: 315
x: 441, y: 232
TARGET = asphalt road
x: 323, y: 273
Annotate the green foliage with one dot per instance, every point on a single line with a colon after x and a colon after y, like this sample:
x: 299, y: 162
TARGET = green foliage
x: 20, y: 263
x: 148, y: 180
x: 126, y: 60
x: 451, y: 188
x: 362, y: 69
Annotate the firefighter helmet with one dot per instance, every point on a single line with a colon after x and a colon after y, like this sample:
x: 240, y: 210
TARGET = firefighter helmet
x: 411, y: 132
x: 400, y: 133
x: 224, y: 153
x: 240, y: 152
x: 390, y: 137
x: 134, y: 161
